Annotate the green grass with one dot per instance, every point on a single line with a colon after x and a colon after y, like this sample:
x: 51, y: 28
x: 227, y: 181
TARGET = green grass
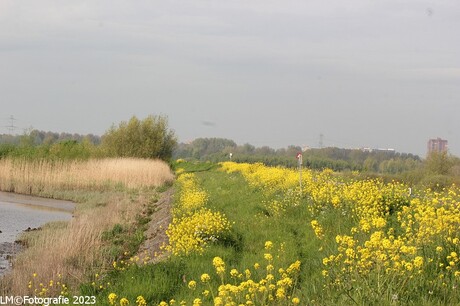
x: 194, y: 166
x: 243, y: 246
x: 240, y: 249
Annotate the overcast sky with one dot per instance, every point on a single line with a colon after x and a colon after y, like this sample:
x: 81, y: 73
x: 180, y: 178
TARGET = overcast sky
x: 379, y: 74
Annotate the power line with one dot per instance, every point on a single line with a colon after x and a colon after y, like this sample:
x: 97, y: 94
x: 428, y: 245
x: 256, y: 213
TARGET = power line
x: 11, y: 127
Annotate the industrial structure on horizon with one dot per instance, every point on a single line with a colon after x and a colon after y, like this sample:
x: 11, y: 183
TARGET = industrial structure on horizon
x: 437, y: 145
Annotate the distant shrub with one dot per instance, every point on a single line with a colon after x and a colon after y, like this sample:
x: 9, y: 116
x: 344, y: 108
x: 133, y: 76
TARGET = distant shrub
x: 437, y: 182
x: 148, y: 138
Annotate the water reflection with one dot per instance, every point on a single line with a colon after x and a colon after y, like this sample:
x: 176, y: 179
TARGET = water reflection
x: 19, y: 213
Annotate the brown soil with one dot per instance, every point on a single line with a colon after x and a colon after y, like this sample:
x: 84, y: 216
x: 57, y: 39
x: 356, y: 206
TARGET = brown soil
x: 156, y: 232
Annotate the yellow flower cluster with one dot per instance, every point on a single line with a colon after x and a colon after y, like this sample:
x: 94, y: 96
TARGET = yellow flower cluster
x: 124, y: 264
x: 270, y: 180
x: 192, y: 197
x: 279, y: 185
x: 256, y: 286
x: 191, y: 233
x: 423, y: 252
x: 318, y: 229
x: 99, y: 283
x: 47, y: 288
x: 325, y: 190
x: 394, y: 241
x: 193, y: 226
x: 113, y: 300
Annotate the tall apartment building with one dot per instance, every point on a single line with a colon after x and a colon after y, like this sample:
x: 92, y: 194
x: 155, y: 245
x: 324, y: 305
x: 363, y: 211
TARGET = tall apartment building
x: 437, y: 145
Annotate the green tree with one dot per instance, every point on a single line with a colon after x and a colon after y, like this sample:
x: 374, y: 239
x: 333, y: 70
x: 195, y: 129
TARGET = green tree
x: 438, y: 163
x: 148, y: 138
x: 69, y: 149
x: 203, y: 147
x: 370, y: 164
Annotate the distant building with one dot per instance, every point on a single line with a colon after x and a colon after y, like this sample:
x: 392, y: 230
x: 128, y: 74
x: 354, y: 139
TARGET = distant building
x: 437, y: 145
x: 370, y: 150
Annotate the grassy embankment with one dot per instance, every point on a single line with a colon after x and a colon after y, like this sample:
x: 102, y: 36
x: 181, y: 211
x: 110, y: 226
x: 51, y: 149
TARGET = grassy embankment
x: 361, y: 242
x: 357, y: 241
x: 240, y: 247
x: 115, y: 199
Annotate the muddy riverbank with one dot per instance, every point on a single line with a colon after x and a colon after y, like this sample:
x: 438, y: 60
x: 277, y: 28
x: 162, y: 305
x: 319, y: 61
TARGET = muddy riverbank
x: 20, y: 213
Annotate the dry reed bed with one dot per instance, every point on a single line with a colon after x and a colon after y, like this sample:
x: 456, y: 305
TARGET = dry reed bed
x: 43, y: 176
x: 73, y: 249
x: 70, y: 250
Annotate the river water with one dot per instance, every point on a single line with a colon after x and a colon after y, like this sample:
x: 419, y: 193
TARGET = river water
x: 19, y: 213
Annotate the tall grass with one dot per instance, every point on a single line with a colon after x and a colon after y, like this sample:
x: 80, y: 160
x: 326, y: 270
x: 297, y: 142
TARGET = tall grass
x: 70, y: 251
x: 44, y: 176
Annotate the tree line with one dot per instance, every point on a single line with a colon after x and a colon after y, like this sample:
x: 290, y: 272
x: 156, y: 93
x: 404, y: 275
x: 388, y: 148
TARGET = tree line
x: 219, y: 149
x: 152, y: 138
x: 435, y: 171
x: 147, y: 138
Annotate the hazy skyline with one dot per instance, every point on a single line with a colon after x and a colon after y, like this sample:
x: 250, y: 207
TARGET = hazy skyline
x: 362, y: 73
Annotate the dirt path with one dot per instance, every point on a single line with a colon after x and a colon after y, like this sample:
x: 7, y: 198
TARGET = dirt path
x: 156, y: 233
